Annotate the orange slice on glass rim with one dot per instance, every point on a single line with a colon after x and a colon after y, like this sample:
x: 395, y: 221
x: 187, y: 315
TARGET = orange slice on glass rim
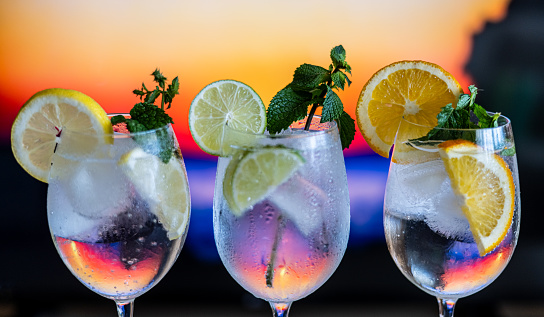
x: 415, y: 90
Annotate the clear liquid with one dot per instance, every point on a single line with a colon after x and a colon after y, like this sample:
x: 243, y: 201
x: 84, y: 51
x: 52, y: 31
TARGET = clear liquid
x: 286, y: 246
x: 442, y: 266
x: 122, y: 266
x: 104, y: 230
x: 429, y: 238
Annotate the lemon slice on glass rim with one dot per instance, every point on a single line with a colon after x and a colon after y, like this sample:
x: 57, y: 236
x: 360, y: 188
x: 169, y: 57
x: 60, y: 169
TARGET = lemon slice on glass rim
x: 38, y: 125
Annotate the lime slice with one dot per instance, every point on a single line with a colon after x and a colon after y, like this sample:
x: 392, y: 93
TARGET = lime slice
x: 36, y: 129
x: 252, y: 175
x: 224, y: 102
x: 163, y: 186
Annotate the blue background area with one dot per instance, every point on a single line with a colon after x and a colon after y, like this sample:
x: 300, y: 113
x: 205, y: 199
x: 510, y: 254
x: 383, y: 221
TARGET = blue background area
x: 367, y: 175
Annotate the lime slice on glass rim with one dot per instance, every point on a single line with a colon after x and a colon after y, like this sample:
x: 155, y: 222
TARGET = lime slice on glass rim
x: 220, y: 103
x: 163, y: 186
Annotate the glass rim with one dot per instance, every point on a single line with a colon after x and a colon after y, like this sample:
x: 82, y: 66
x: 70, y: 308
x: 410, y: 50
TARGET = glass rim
x: 328, y: 127
x: 502, y: 124
x: 115, y: 134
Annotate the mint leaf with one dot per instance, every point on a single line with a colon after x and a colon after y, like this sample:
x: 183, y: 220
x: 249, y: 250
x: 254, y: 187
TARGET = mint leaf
x: 332, y: 106
x: 159, y: 78
x: 308, y: 77
x: 339, y: 79
x: 146, y: 116
x: 509, y: 151
x: 346, y: 126
x: 134, y: 126
x: 338, y: 56
x: 150, y: 116
x: 311, y: 85
x: 466, y: 115
x: 463, y: 102
x: 286, y: 107
x: 171, y: 92
x: 152, y: 96
x: 118, y: 119
x: 473, y: 92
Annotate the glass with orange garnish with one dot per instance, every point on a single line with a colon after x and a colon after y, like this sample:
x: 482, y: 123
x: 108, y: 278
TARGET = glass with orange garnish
x: 452, y: 204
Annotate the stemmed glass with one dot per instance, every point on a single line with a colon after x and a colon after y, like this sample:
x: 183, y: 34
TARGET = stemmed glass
x: 286, y: 244
x: 427, y: 233
x: 118, y: 209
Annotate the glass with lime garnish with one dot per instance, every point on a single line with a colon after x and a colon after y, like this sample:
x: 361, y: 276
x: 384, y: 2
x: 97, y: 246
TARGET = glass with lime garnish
x: 281, y: 210
x: 281, y: 202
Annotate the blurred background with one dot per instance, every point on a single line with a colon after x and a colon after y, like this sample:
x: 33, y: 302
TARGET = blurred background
x: 107, y: 48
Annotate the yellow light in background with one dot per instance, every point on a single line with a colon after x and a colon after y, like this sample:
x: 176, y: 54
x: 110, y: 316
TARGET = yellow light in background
x: 107, y: 48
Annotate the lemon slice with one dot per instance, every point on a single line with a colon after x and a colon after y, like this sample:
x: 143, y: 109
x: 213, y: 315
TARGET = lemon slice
x: 40, y: 121
x: 416, y: 90
x: 485, y: 184
x: 163, y: 186
x: 252, y: 175
x: 222, y: 102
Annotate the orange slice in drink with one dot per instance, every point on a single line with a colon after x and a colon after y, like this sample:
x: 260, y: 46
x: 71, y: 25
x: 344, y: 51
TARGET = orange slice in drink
x: 485, y: 185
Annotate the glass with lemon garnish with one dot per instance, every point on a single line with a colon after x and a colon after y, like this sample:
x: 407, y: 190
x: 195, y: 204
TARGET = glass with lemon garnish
x: 119, y: 214
x: 118, y: 203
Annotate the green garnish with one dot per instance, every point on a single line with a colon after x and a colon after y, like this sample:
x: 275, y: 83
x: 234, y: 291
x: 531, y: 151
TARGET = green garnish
x: 146, y: 115
x: 466, y: 115
x: 313, y: 86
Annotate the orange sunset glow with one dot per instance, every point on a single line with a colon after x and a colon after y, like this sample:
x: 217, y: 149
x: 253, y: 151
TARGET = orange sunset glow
x: 107, y: 48
x: 100, y: 267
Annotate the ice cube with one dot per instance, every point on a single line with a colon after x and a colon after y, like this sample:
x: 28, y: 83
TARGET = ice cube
x: 446, y: 217
x: 411, y: 188
x: 302, y: 202
x: 423, y: 191
x: 63, y: 220
x: 98, y: 188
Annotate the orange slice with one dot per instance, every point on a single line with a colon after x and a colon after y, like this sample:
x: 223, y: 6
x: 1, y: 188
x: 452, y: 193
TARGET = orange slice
x: 486, y: 187
x: 416, y: 90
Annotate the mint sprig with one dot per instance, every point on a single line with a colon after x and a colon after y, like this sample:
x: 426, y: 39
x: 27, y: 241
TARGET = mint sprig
x: 146, y: 115
x: 314, y: 86
x: 466, y: 115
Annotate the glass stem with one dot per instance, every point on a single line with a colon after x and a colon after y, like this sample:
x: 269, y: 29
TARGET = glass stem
x: 125, y: 309
x: 280, y: 309
x: 445, y: 307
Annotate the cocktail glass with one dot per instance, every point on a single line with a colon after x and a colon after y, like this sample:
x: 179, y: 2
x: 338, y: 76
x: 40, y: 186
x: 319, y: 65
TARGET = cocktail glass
x: 118, y: 214
x: 427, y: 233
x: 286, y: 245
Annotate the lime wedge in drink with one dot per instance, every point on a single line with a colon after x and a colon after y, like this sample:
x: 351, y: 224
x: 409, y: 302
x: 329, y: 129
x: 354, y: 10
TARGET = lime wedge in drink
x: 220, y: 103
x: 254, y: 174
x: 163, y: 186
